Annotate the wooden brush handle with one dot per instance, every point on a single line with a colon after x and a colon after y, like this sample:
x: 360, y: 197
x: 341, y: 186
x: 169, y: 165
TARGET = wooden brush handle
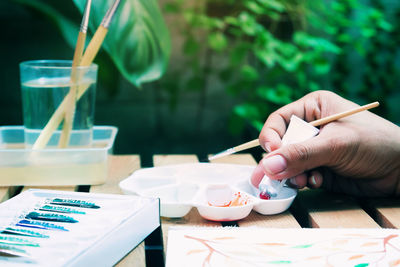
x: 94, y: 46
x: 343, y: 114
x: 247, y: 145
x: 70, y: 110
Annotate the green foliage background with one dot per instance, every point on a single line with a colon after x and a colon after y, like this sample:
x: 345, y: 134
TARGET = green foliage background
x: 267, y: 53
x: 234, y: 61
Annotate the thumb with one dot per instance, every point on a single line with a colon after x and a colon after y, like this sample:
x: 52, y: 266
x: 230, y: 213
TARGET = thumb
x: 291, y: 160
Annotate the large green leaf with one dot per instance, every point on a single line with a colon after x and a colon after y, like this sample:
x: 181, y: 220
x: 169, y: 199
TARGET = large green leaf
x: 138, y: 40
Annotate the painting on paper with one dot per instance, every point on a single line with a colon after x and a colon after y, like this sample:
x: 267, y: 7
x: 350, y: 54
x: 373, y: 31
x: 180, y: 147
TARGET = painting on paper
x: 207, y: 247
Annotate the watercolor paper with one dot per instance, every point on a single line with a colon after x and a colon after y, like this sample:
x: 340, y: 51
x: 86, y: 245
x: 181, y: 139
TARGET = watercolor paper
x: 188, y: 246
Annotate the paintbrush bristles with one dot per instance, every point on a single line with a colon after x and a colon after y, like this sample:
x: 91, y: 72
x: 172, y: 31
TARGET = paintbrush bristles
x: 315, y: 123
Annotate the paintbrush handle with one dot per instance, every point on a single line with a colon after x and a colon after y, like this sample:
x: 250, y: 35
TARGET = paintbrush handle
x: 94, y: 46
x: 343, y: 114
x: 247, y: 145
x: 70, y: 110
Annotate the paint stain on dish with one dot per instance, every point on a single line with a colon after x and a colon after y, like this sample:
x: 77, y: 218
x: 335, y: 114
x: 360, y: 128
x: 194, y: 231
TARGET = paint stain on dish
x: 238, y: 199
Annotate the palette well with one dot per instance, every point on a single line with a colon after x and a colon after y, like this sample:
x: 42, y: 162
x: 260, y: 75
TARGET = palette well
x: 220, y: 192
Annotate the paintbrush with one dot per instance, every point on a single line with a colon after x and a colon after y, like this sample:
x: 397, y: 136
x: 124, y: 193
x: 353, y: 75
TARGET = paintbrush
x: 315, y: 123
x: 86, y: 60
x: 70, y: 110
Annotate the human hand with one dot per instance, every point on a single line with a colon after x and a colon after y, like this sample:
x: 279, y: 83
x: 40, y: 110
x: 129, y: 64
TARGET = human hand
x: 357, y: 155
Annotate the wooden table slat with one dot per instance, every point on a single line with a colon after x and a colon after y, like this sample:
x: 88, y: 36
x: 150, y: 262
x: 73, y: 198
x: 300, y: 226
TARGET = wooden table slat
x: 119, y: 167
x: 386, y: 211
x: 329, y: 210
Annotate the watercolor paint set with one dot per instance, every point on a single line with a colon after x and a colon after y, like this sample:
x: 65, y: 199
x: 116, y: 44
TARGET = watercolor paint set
x: 56, y: 228
x: 220, y: 192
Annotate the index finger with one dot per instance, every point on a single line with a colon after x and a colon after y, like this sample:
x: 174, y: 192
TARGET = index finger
x: 307, y: 108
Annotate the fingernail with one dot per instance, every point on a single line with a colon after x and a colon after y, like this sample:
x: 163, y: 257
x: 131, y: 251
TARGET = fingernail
x: 275, y: 164
x: 293, y: 181
x: 313, y: 181
x: 267, y: 147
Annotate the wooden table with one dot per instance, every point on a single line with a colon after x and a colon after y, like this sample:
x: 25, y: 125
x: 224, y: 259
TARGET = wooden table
x: 311, y: 208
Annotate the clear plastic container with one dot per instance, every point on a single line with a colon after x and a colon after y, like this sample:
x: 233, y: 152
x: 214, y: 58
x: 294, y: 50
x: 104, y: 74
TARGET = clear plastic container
x: 52, y: 166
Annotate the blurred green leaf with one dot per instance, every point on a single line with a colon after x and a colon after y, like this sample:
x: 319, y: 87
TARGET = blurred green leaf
x: 306, y: 40
x: 313, y: 86
x: 246, y: 111
x: 280, y: 95
x: 231, y: 20
x: 249, y: 73
x: 268, y: 57
x: 217, y: 41
x: 248, y: 23
x: 138, y: 40
x: 273, y: 4
x: 384, y: 25
x: 368, y: 32
x: 321, y: 66
x: 254, y: 7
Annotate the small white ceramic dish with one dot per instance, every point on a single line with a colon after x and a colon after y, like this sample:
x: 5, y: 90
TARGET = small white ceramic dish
x: 210, y: 187
x: 275, y: 205
x: 221, y: 202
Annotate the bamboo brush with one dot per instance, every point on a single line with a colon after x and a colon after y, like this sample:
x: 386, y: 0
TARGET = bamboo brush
x: 315, y: 123
x: 86, y: 60
x: 70, y: 110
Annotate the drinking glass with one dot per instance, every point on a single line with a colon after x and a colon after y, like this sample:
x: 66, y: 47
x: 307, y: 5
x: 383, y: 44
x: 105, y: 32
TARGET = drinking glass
x: 45, y: 85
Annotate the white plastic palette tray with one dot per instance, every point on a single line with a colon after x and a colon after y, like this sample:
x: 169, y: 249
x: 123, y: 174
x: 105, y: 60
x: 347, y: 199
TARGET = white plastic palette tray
x: 181, y: 187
